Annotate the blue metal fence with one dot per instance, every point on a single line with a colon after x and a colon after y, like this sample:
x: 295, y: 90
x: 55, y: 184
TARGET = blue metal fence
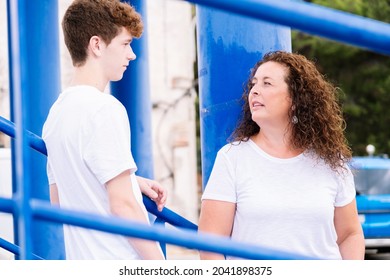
x: 340, y: 26
x: 187, y: 236
x: 314, y: 19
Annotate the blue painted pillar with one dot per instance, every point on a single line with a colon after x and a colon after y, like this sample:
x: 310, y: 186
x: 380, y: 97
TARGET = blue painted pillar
x: 228, y: 47
x: 35, y: 51
x: 134, y: 93
x: 20, y: 152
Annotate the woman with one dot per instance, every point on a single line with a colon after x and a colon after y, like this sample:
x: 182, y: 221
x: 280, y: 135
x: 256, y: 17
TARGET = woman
x: 284, y: 182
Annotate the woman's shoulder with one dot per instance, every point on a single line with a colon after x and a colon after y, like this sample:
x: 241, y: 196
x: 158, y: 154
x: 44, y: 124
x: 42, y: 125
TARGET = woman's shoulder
x: 234, y: 147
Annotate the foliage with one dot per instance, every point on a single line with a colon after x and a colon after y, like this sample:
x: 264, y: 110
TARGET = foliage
x: 363, y: 76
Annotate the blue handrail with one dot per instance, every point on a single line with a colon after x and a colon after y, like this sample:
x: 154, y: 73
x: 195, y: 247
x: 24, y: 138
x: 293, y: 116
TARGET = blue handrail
x: 38, y: 144
x: 314, y: 19
x: 14, y: 249
x: 311, y: 18
x: 184, y: 237
x: 187, y: 236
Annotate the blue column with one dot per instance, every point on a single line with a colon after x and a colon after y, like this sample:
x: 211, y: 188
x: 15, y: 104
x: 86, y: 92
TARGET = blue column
x: 228, y: 47
x: 20, y: 152
x: 134, y: 93
x: 39, y: 63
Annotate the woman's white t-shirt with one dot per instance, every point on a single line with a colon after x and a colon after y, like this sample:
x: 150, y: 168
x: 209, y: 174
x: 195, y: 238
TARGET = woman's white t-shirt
x: 281, y: 204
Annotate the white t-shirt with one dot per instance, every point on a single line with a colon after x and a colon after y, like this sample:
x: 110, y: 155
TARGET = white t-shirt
x: 87, y: 136
x: 281, y: 204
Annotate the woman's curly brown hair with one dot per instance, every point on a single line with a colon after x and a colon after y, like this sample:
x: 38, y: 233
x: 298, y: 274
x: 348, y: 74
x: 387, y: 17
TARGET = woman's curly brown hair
x: 320, y: 126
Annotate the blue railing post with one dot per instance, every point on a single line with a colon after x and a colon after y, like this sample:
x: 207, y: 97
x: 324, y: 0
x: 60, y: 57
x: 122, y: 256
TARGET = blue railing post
x: 34, y: 55
x: 161, y: 222
x: 133, y: 92
x: 228, y: 47
x: 20, y: 152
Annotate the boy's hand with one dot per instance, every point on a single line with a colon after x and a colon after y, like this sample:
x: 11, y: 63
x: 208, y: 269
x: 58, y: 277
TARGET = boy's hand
x: 153, y: 190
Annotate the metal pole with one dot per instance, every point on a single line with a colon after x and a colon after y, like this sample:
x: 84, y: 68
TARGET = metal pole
x: 38, y: 58
x: 228, y: 47
x: 18, y: 83
x: 134, y: 93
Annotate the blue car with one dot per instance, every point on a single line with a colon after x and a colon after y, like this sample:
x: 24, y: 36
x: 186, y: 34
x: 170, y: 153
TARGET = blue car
x: 372, y: 180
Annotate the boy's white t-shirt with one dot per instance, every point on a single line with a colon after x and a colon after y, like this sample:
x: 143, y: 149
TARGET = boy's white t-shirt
x: 282, y: 204
x: 87, y: 136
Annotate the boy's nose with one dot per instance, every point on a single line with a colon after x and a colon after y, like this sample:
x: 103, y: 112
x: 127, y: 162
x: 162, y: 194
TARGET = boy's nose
x: 131, y: 55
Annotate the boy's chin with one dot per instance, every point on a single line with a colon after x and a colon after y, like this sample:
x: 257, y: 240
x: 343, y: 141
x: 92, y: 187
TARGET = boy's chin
x: 118, y: 78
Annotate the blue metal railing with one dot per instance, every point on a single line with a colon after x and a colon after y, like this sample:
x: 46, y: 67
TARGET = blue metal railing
x: 37, y: 144
x: 187, y: 236
x: 314, y: 19
x: 14, y: 249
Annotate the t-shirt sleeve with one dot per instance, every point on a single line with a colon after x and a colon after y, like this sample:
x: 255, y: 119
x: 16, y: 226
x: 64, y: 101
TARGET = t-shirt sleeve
x: 108, y: 151
x: 221, y: 184
x: 346, y: 188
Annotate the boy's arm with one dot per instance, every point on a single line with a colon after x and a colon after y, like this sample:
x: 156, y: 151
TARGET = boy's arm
x: 124, y: 205
x: 54, y: 199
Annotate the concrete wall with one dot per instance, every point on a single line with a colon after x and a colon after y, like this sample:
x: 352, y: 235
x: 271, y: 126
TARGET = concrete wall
x: 172, y: 56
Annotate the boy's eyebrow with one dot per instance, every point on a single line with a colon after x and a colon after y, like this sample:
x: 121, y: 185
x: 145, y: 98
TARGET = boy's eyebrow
x: 127, y: 39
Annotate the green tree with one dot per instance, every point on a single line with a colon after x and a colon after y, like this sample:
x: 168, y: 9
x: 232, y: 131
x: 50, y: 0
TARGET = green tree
x: 362, y: 76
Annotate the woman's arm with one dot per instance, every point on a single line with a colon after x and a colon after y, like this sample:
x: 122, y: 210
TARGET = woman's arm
x: 350, y: 236
x: 216, y: 217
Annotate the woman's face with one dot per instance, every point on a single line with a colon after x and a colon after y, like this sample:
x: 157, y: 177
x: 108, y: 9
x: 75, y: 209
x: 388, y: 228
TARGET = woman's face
x: 269, y: 98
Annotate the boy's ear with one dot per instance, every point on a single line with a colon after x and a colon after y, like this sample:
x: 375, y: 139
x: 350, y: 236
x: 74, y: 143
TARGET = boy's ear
x: 95, y: 45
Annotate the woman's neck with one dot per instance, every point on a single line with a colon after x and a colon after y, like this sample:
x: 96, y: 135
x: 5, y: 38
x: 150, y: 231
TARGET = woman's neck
x: 276, y: 144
